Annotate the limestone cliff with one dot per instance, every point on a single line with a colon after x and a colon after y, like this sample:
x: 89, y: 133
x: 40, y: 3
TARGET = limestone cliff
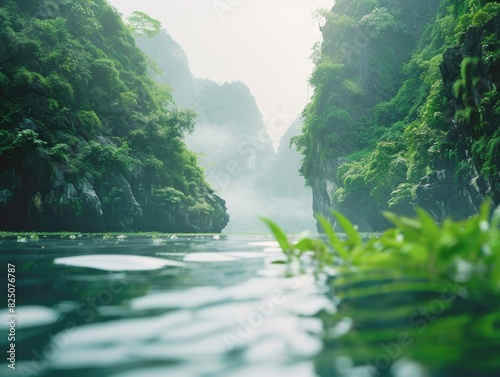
x: 463, y: 178
x: 405, y: 110
x: 88, y: 142
x: 230, y: 137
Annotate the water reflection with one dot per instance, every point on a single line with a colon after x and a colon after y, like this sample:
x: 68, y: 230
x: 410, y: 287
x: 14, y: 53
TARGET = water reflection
x: 404, y: 326
x: 156, y: 307
x: 141, y: 306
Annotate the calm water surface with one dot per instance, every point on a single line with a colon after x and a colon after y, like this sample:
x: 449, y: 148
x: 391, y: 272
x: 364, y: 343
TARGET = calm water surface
x: 210, y: 306
x: 139, y: 306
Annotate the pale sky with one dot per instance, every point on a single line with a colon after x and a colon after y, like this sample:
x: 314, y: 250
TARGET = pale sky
x: 264, y: 43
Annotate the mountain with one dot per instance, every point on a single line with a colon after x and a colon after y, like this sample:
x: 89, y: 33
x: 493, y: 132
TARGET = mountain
x: 405, y: 109
x: 89, y: 142
x: 229, y: 125
x: 230, y: 138
x: 172, y: 67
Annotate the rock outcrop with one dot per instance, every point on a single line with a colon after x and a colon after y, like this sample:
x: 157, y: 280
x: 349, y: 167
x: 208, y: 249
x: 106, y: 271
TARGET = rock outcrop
x: 406, y: 110
x: 88, y: 142
x: 372, y: 53
x: 459, y: 184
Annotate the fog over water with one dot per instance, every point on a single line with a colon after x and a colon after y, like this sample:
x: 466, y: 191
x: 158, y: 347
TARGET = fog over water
x: 266, y: 45
x: 254, y: 182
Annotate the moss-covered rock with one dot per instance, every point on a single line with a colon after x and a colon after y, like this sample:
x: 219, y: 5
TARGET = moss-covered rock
x: 417, y: 84
x: 87, y: 137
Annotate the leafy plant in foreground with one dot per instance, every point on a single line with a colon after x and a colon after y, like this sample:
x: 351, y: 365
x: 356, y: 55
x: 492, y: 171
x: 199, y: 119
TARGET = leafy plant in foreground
x: 465, y: 251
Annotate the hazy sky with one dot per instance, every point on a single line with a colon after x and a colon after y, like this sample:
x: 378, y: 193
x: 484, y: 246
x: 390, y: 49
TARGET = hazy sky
x: 264, y: 43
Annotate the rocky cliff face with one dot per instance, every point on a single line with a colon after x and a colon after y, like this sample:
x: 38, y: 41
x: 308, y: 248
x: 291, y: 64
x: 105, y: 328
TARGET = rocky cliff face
x: 87, y: 141
x: 470, y: 74
x: 173, y: 67
x: 406, y: 110
x: 229, y: 126
x: 371, y: 45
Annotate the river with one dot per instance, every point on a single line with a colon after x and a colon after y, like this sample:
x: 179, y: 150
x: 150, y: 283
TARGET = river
x: 142, y: 306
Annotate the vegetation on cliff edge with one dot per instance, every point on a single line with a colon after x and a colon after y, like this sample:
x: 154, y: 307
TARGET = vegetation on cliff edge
x: 382, y: 111
x: 74, y: 88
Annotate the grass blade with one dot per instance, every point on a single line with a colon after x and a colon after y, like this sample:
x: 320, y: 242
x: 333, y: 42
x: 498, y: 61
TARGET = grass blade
x: 279, y: 235
x: 350, y: 230
x: 332, y: 237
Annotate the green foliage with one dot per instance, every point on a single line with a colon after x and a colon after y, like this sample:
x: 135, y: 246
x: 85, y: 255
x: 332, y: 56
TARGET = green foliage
x: 351, y: 177
x: 293, y: 251
x: 78, y: 76
x: 385, y: 171
x: 27, y: 139
x: 59, y: 153
x: 81, y: 17
x: 143, y: 25
x: 6, y: 139
x: 90, y: 121
x: 380, y: 21
x: 103, y: 158
x: 488, y: 149
x: 403, y: 194
x: 168, y: 196
x: 382, y: 147
x: 342, y: 122
x: 353, y: 87
x: 181, y: 121
x: 15, y: 144
x: 477, y: 119
x: 474, y: 13
x: 26, y: 79
x: 416, y: 245
x: 459, y: 89
x: 200, y: 209
x: 485, y: 14
x: 59, y: 88
x: 105, y: 74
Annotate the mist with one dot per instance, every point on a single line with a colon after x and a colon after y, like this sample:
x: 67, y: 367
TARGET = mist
x: 253, y: 187
x: 244, y: 69
x: 265, y: 44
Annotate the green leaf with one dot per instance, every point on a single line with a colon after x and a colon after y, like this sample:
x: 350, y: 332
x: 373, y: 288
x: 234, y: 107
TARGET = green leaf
x: 428, y: 225
x: 485, y: 209
x: 279, y: 235
x: 403, y: 222
x: 322, y: 253
x: 495, y: 275
x: 350, y: 230
x: 308, y: 244
x: 332, y: 237
x: 142, y: 24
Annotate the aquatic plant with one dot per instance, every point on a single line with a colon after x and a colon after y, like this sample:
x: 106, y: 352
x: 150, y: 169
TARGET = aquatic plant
x: 466, y: 251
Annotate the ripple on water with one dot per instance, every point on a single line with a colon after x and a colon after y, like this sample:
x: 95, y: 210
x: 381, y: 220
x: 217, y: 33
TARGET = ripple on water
x: 179, y: 299
x: 165, y: 324
x: 30, y: 316
x: 245, y: 254
x: 209, y: 257
x: 118, y: 262
x: 301, y: 369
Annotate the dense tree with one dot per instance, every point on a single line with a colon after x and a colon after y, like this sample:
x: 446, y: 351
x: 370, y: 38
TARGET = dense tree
x: 75, y: 97
x: 386, y: 113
